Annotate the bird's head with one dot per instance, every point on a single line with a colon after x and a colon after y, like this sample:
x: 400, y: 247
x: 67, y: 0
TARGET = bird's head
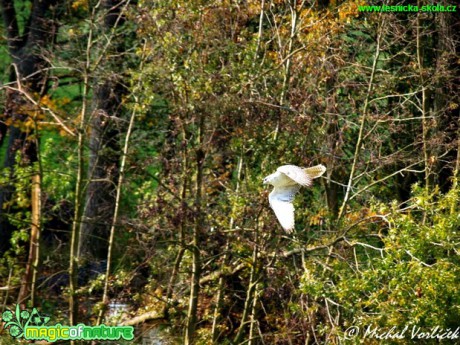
x: 268, y: 179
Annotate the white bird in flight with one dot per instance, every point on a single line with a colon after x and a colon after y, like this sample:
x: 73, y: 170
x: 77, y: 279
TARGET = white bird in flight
x: 287, y: 181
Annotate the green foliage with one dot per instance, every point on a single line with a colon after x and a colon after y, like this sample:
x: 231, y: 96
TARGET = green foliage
x: 410, y: 278
x: 58, y: 160
x: 23, y: 10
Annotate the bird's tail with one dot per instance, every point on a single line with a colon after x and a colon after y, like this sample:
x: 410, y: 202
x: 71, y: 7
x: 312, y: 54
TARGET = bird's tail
x: 316, y: 171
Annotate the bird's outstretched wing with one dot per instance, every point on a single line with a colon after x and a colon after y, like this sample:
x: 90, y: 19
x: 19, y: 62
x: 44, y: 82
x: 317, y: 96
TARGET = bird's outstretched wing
x: 315, y: 171
x: 302, y: 176
x: 296, y: 174
x: 281, y: 202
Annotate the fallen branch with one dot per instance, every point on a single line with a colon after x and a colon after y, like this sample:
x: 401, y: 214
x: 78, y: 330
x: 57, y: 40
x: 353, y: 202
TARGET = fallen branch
x: 151, y: 315
x: 223, y: 273
x: 9, y: 288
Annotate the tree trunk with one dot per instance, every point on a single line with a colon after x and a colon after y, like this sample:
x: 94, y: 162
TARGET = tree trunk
x: 104, y: 146
x: 225, y: 260
x: 103, y: 168
x: 28, y: 63
x: 251, y: 291
x: 195, y: 246
x: 95, y: 202
x: 287, y: 65
x: 30, y: 276
x: 424, y: 102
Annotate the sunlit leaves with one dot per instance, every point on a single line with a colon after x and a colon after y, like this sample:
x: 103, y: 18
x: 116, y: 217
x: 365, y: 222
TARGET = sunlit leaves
x: 413, y: 280
x: 80, y: 4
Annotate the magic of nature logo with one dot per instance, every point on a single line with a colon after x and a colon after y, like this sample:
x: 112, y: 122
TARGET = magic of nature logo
x: 31, y: 325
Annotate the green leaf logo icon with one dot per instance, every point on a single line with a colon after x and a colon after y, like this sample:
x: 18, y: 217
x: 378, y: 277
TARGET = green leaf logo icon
x: 7, y: 316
